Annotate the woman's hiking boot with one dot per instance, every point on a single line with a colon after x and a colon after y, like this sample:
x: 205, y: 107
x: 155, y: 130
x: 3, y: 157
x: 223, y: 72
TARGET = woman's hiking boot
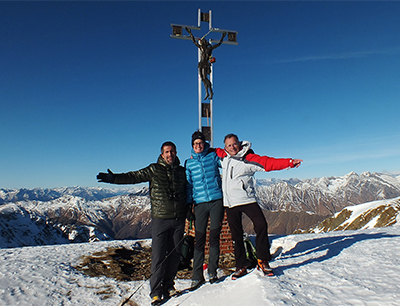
x: 196, y: 284
x: 239, y: 273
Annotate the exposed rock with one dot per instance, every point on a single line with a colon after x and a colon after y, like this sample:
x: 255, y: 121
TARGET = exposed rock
x: 373, y: 214
x: 125, y: 264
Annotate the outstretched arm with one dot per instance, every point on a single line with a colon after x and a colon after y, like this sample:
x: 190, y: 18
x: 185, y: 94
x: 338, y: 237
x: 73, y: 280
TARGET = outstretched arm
x: 271, y: 164
x: 220, y: 41
x: 220, y: 152
x: 133, y: 177
x: 193, y: 39
x: 268, y: 163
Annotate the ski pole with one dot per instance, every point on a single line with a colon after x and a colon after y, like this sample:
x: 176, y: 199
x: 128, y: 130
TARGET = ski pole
x: 144, y: 281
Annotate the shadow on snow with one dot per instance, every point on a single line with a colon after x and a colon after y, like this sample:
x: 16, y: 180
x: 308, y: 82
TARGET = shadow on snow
x: 332, y: 245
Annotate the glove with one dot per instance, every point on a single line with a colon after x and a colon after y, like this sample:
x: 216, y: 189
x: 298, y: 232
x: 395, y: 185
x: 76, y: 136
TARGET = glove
x: 190, y: 215
x: 106, y: 177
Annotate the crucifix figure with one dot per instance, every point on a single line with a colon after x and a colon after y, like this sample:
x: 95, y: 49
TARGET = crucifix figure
x: 205, y: 57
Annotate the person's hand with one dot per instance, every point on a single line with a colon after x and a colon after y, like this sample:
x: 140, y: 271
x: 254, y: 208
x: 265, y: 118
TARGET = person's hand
x: 189, y: 31
x: 106, y: 177
x: 297, y: 163
x: 190, y: 214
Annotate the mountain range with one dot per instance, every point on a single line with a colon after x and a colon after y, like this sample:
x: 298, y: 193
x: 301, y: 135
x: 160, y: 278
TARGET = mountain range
x: 327, y: 195
x: 77, y: 214
x: 48, y: 194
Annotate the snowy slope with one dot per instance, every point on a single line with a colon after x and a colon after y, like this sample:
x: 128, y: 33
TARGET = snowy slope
x: 368, y: 215
x: 18, y: 228
x: 338, y: 268
x: 73, y: 219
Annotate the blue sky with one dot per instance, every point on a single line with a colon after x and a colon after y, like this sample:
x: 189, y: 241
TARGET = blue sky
x: 86, y: 86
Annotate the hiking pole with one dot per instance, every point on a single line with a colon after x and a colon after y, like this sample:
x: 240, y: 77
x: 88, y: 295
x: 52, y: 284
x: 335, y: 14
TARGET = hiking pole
x: 137, y: 289
x: 122, y: 303
x: 145, y: 280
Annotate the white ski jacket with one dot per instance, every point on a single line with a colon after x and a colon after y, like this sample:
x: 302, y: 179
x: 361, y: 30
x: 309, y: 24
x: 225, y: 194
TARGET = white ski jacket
x: 238, y: 173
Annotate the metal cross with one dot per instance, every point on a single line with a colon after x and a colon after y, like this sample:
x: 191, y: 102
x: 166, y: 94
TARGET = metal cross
x: 206, y: 119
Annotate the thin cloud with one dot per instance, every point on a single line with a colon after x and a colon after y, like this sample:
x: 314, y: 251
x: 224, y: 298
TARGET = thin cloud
x: 391, y: 172
x: 339, y: 56
x: 362, y: 148
x: 345, y: 157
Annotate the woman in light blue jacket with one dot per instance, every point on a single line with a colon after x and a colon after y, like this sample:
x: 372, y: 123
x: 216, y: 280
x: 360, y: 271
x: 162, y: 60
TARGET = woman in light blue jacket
x: 205, y: 192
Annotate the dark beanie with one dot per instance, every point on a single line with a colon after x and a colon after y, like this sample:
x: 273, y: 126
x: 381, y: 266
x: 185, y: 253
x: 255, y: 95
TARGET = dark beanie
x: 198, y: 135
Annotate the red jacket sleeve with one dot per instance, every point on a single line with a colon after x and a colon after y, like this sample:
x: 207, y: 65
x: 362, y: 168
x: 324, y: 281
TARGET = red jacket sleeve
x: 220, y: 152
x: 270, y: 163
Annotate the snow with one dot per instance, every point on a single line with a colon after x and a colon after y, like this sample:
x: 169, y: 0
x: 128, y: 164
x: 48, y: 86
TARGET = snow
x: 358, y: 210
x: 337, y: 268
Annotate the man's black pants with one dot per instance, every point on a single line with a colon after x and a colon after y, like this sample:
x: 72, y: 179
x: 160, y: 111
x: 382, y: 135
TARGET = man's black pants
x: 167, y: 240
x: 254, y: 212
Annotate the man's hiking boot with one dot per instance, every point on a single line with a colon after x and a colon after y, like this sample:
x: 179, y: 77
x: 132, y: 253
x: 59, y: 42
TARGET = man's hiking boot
x: 196, y: 284
x: 156, y: 300
x: 263, y: 265
x: 172, y: 292
x: 213, y: 279
x: 239, y: 273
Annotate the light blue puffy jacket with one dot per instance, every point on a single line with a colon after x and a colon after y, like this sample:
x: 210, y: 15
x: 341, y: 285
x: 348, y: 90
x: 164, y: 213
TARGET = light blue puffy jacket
x: 203, y: 177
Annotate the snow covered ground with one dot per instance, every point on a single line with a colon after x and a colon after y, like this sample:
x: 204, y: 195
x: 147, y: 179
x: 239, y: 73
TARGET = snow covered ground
x: 338, y: 268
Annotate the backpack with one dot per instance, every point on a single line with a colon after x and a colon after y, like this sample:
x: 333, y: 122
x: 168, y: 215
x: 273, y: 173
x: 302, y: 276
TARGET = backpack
x: 251, y: 253
x: 187, y: 252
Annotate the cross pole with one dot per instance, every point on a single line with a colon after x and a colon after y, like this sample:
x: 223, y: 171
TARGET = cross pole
x: 205, y: 108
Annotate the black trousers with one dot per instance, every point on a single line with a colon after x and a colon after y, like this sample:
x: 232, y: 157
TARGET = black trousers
x: 215, y: 211
x: 254, y: 212
x: 167, y: 240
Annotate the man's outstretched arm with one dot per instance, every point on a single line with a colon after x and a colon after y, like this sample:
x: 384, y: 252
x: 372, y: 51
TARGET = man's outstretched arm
x: 271, y: 163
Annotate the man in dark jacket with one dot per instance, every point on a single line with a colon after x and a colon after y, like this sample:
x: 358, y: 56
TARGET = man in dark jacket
x: 167, y: 180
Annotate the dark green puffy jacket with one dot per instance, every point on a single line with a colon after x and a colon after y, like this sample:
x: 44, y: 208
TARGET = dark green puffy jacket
x: 167, y: 187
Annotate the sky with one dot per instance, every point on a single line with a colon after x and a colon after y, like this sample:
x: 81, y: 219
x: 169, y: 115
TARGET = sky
x: 86, y: 86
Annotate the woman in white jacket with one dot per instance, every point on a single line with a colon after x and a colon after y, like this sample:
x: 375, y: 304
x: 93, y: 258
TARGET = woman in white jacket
x: 239, y: 164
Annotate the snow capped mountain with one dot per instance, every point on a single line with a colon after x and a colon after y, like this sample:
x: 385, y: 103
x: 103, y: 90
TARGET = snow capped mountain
x: 19, y: 228
x: 47, y: 194
x: 74, y: 219
x: 328, y: 195
x: 272, y: 181
x: 65, y: 215
x: 363, y: 216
